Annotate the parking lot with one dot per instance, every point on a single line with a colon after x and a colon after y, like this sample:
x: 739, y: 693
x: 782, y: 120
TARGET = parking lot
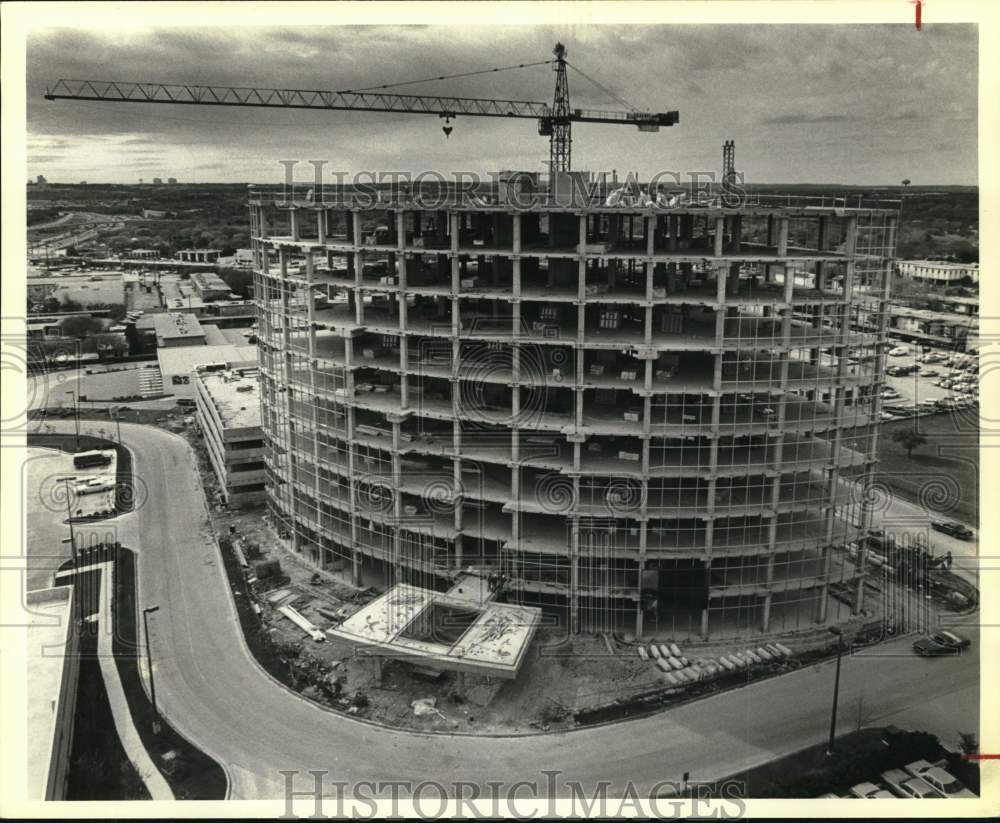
x: 941, y: 380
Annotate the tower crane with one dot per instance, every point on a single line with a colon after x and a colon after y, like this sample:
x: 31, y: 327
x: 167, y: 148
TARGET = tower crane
x: 554, y: 122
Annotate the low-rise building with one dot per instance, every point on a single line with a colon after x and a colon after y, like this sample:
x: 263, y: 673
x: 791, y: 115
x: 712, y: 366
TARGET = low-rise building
x: 142, y: 254
x: 175, y: 329
x: 178, y: 365
x: 228, y: 404
x: 198, y: 255
x: 939, y: 272
x: 53, y: 669
x: 932, y: 327
x: 210, y: 286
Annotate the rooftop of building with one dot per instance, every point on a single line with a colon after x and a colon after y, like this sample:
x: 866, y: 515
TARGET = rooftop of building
x: 49, y: 625
x: 185, y: 359
x: 609, y: 196
x: 929, y: 314
x: 209, y: 280
x: 172, y: 325
x: 939, y: 264
x: 235, y: 395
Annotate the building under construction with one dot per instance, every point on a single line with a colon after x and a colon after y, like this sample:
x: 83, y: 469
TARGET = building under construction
x: 644, y: 415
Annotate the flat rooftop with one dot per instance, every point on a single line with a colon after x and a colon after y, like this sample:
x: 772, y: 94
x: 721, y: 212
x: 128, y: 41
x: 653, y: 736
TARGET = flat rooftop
x: 173, y: 325
x: 185, y: 359
x: 209, y: 279
x: 235, y: 395
x: 444, y: 631
x: 49, y: 625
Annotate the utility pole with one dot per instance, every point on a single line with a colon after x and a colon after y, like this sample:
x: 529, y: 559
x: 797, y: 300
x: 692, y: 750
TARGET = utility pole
x: 149, y: 665
x: 836, y: 691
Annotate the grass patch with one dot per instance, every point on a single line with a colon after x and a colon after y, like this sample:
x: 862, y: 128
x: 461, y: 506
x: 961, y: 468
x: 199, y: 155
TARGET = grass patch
x: 858, y: 757
x: 949, y: 461
x: 99, y: 769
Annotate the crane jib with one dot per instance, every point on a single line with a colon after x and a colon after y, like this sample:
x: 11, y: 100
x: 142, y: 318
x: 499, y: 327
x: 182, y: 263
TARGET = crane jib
x: 444, y: 106
x: 554, y: 121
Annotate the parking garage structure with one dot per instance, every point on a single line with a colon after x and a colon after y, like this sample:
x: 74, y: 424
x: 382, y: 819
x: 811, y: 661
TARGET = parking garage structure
x: 634, y: 417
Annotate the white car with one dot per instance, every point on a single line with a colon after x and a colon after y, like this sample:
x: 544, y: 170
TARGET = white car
x: 870, y: 791
x: 941, y: 781
x: 899, y: 351
x: 905, y: 785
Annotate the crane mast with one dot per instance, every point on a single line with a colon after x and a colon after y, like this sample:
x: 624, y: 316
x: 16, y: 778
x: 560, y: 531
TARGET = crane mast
x: 562, y: 139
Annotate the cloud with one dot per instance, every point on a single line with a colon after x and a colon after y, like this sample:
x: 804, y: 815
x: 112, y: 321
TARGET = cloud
x: 802, y: 118
x: 754, y: 83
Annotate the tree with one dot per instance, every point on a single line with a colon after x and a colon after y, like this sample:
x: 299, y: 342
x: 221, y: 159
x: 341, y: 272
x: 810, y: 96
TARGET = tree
x: 863, y: 715
x: 80, y: 327
x: 969, y: 743
x: 909, y: 439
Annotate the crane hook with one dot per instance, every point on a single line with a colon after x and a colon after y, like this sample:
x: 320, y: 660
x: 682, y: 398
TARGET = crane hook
x: 446, y: 128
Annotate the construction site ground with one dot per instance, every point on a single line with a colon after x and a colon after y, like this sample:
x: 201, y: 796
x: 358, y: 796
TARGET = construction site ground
x: 563, y: 679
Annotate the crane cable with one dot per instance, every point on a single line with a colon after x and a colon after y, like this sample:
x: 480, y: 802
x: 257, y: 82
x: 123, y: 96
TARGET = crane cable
x: 606, y: 90
x: 446, y: 77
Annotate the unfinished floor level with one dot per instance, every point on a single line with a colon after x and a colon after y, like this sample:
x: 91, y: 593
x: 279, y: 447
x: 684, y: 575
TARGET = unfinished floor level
x: 630, y: 415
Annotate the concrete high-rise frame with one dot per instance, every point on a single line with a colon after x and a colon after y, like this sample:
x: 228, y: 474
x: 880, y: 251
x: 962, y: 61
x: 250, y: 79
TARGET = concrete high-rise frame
x: 642, y: 417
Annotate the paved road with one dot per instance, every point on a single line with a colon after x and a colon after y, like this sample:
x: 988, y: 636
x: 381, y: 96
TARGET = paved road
x: 211, y: 689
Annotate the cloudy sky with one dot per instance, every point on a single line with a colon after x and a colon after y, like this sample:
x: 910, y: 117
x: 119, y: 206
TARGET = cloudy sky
x: 858, y: 104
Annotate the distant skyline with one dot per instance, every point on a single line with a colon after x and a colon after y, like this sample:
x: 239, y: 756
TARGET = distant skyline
x: 858, y: 104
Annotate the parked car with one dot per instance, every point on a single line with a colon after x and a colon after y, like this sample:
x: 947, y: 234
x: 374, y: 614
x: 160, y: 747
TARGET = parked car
x: 905, y: 785
x: 929, y: 647
x: 937, y: 778
x: 951, y: 639
x: 899, y: 351
x: 931, y: 373
x: 952, y: 528
x: 870, y: 790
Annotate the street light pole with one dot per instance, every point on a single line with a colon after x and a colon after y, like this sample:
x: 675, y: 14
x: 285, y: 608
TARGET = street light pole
x: 69, y: 519
x: 836, y: 691
x: 76, y: 416
x: 149, y: 665
x: 118, y: 426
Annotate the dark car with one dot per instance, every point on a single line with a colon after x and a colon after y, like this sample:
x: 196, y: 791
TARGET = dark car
x: 941, y: 644
x: 952, y: 528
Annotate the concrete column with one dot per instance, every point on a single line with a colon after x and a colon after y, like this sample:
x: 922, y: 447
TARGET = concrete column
x: 574, y: 576
x: 783, y: 237
x: 720, y: 233
x: 293, y: 216
x: 321, y: 216
x: 516, y: 230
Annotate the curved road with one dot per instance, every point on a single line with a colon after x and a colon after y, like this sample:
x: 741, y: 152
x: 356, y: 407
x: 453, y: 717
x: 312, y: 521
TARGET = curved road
x: 215, y: 694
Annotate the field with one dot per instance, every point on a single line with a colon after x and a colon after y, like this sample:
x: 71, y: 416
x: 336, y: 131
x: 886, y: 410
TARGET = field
x: 942, y: 475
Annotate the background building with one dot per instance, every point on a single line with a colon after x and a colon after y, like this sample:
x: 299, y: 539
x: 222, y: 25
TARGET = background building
x: 640, y: 418
x: 228, y: 403
x: 940, y: 273
x: 198, y: 255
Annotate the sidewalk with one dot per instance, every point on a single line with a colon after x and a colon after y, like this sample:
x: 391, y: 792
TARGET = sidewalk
x: 127, y: 733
